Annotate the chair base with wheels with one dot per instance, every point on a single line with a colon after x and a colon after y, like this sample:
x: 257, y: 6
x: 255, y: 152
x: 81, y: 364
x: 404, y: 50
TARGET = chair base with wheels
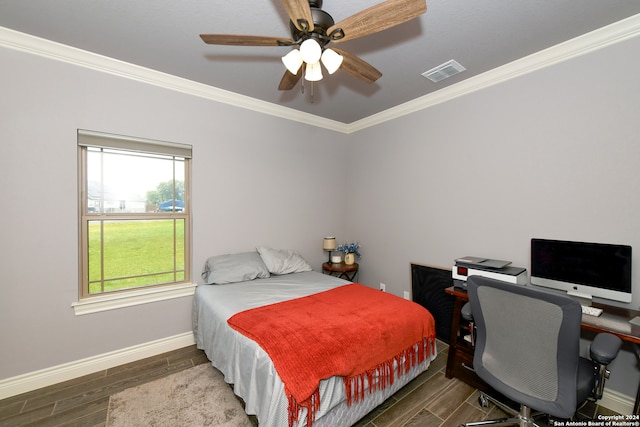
x: 524, y: 418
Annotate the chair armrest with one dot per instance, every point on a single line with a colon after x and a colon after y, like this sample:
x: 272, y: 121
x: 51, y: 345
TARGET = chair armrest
x: 465, y: 312
x: 605, y: 348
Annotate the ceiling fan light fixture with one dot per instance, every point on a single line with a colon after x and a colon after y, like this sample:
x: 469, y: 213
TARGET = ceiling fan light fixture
x: 310, y: 51
x: 293, y: 61
x: 331, y: 60
x: 313, y: 72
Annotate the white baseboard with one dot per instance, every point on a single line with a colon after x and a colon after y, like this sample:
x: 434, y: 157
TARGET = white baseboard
x: 618, y: 402
x: 68, y: 371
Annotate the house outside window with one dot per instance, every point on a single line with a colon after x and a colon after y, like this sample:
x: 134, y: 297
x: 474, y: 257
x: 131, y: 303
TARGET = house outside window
x: 134, y: 214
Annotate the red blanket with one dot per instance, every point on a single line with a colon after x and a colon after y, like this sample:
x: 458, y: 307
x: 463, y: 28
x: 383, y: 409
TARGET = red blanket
x: 352, y: 331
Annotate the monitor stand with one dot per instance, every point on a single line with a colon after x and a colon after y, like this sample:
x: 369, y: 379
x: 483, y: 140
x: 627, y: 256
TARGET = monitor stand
x: 583, y: 299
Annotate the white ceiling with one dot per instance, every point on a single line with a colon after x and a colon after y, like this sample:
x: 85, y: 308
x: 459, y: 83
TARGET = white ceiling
x: 163, y: 35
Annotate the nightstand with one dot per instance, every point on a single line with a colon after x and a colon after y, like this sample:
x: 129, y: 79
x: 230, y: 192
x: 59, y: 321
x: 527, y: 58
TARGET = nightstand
x: 341, y: 270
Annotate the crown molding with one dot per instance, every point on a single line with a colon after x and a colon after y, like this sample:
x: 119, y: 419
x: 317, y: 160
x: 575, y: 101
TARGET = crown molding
x: 615, y: 33
x: 59, y: 52
x: 581, y: 45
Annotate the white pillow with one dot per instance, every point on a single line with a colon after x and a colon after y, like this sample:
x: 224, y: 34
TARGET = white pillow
x: 282, y: 261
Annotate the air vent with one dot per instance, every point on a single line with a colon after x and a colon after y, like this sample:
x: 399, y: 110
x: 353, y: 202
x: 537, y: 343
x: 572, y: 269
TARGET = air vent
x: 443, y: 71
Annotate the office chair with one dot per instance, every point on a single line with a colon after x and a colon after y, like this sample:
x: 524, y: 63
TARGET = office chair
x: 527, y: 348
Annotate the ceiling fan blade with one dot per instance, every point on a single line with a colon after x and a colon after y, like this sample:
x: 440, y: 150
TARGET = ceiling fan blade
x: 358, y: 68
x: 379, y: 17
x: 289, y: 80
x: 240, y: 40
x: 299, y: 9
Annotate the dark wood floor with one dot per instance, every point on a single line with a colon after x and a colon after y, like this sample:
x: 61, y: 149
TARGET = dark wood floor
x: 429, y: 400
x: 84, y: 401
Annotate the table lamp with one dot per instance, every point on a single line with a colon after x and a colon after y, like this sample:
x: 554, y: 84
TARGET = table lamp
x: 329, y: 244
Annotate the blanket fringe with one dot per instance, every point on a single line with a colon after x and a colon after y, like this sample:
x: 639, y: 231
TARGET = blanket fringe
x: 378, y: 378
x: 312, y: 404
x: 382, y: 376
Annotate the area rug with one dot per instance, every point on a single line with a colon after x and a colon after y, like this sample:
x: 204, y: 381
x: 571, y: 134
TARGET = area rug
x: 194, y: 397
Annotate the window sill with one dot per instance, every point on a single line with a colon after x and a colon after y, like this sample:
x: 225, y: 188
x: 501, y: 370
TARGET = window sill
x: 128, y: 299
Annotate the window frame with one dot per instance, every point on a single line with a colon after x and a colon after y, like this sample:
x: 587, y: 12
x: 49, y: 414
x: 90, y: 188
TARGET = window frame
x: 135, y: 295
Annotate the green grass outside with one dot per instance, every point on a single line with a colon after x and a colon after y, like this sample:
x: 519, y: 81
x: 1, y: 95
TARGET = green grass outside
x: 136, y: 253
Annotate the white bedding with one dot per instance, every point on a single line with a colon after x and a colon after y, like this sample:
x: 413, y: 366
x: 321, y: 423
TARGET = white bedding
x: 246, y: 366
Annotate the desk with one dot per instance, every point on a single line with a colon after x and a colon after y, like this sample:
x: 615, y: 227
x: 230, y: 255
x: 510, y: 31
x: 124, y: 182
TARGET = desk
x: 614, y: 320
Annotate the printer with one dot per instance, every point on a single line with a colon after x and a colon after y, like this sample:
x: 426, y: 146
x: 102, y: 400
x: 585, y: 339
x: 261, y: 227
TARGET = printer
x: 491, y: 268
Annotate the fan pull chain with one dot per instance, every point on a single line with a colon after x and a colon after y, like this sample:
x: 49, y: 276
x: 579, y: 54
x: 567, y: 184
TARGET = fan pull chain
x: 302, y: 80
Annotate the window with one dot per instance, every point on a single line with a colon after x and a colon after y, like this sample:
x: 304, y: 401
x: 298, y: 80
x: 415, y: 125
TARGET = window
x: 134, y: 214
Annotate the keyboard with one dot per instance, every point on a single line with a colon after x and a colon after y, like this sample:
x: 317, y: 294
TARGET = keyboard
x: 591, y: 311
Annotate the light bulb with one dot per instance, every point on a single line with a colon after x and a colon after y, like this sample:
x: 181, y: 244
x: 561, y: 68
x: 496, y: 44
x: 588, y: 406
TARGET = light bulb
x: 331, y: 60
x: 310, y: 51
x: 293, y: 61
x: 314, y: 72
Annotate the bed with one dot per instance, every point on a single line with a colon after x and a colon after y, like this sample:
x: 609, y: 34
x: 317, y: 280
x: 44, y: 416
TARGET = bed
x: 239, y: 283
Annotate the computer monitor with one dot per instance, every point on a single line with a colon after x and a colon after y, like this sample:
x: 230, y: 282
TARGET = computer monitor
x: 581, y: 269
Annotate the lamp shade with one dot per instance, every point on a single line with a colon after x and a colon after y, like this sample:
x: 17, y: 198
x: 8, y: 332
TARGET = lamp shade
x: 329, y: 244
x: 293, y: 61
x: 310, y: 51
x: 313, y: 72
x: 331, y: 60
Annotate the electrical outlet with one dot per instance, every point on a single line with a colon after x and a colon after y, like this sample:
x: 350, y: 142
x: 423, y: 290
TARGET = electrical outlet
x: 406, y: 295
x: 383, y: 287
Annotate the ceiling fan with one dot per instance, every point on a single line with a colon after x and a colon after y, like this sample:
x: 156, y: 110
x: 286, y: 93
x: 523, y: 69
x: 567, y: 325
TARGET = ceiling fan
x: 312, y: 29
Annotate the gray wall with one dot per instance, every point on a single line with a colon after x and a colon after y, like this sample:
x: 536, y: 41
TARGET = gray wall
x: 552, y: 154
x: 255, y: 182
